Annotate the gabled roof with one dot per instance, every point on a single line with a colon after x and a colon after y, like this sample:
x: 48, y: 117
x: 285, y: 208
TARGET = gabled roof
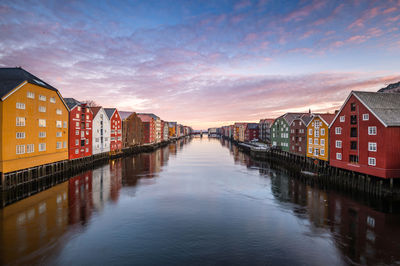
x: 95, y: 110
x: 150, y: 114
x: 384, y: 106
x: 305, y: 118
x: 110, y: 112
x: 10, y: 78
x: 124, y: 114
x: 267, y: 120
x: 71, y: 102
x: 289, y: 117
x: 326, y: 118
x: 252, y: 125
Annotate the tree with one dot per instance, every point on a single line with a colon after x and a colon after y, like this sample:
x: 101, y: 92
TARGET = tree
x: 91, y: 103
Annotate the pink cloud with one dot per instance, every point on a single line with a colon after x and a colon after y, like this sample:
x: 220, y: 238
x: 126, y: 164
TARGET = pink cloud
x: 300, y: 13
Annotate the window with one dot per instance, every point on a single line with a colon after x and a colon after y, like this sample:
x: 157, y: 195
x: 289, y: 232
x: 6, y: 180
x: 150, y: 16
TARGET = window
x: 76, y: 151
x: 64, y: 144
x: 323, y: 152
x: 292, y: 147
x: 338, y: 144
x: 20, y: 149
x: 353, y: 145
x: 310, y: 132
x: 87, y: 141
x: 310, y: 141
x: 338, y: 156
x: 87, y: 110
x: 322, y: 142
x: 371, y: 161
x: 42, y: 146
x: 372, y: 146
x: 338, y: 130
x: 371, y: 130
x: 316, y: 133
x: 316, y: 152
x: 353, y: 119
x: 59, y: 145
x: 42, y: 109
x: 365, y: 117
x: 20, y: 121
x: 76, y: 142
x: 76, y: 124
x: 30, y: 148
x: 42, y: 98
x: 77, y: 132
x: 30, y: 95
x: 353, y: 158
x: 79, y: 109
x: 342, y: 118
x: 20, y: 135
x: 316, y: 141
x: 322, y: 131
x: 87, y: 124
x: 52, y: 100
x: 353, y: 132
x: 65, y: 124
x: 87, y: 149
x: 59, y: 124
x: 59, y: 111
x: 20, y: 106
x: 353, y: 107
x: 42, y: 122
x: 309, y: 150
x: 77, y: 116
x: 59, y: 134
x: 87, y: 117
x: 299, y: 146
x: 42, y: 134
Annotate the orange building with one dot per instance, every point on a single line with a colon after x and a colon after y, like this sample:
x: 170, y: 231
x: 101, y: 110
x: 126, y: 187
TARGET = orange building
x: 318, y: 136
x: 33, y: 121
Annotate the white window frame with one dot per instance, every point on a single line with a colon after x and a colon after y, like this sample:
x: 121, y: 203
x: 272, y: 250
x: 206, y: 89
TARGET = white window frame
x: 42, y: 134
x: 310, y: 132
x: 322, y: 142
x: 310, y: 141
x: 30, y: 95
x: 338, y: 144
x: 42, y: 98
x: 309, y: 150
x: 59, y: 145
x: 20, y: 135
x: 59, y: 111
x: 371, y: 161
x: 42, y: 122
x: 338, y: 156
x: 342, y: 118
x: 30, y: 148
x: 58, y: 124
x: 322, y: 152
x: 52, y: 99
x: 42, y: 147
x: 20, y: 121
x: 20, y: 106
x: 372, y: 146
x: 59, y: 134
x: 20, y: 149
x: 365, y: 117
x: 372, y: 131
x: 322, y: 131
x: 338, y: 130
x: 42, y: 109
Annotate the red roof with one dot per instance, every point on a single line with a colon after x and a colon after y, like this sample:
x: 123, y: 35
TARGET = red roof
x: 95, y: 110
x: 145, y: 118
x: 328, y: 118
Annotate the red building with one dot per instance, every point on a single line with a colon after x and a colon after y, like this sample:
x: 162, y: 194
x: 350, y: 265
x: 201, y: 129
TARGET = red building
x: 116, y: 129
x: 365, y: 134
x: 252, y: 132
x: 80, y: 129
x: 149, y: 128
x: 80, y: 198
x: 298, y: 134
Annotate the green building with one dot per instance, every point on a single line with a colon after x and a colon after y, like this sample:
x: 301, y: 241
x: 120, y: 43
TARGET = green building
x: 280, y: 130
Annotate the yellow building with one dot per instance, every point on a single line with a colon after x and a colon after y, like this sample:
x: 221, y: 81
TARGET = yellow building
x: 33, y: 122
x: 172, y: 129
x: 318, y: 136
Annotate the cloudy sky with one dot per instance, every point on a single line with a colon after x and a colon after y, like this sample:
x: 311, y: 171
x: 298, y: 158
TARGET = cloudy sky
x: 206, y: 63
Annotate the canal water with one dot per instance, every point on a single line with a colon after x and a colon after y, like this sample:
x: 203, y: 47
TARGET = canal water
x: 199, y: 201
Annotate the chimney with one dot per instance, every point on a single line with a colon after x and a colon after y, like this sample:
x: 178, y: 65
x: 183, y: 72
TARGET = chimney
x: 336, y: 111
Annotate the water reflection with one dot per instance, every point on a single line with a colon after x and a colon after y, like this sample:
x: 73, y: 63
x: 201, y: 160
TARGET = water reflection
x: 187, y: 214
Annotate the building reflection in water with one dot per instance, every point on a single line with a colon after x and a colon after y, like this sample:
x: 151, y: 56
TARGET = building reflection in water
x: 362, y: 231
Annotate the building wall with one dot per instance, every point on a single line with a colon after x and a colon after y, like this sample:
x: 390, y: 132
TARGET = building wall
x: 172, y: 130
x: 251, y: 134
x: 116, y: 132
x: 280, y: 134
x: 298, y: 137
x: 387, y: 155
x: 158, y: 132
x: 318, y: 139
x: 101, y: 133
x: 80, y: 132
x: 10, y: 160
x: 165, y: 131
x: 132, y: 131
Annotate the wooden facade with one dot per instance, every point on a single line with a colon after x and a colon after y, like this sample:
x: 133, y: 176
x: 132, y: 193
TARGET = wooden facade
x: 132, y: 130
x: 298, y: 135
x: 318, y: 136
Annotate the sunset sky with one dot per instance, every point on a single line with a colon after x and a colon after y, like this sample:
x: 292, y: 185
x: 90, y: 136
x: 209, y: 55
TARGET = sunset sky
x: 205, y: 63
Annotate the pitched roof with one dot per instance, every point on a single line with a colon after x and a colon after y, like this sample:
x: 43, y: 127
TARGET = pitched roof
x: 95, y: 110
x: 145, y: 117
x: 71, y: 102
x: 124, y: 114
x: 267, y: 120
x: 289, y: 117
x: 252, y: 125
x: 385, y: 106
x: 150, y: 114
x: 10, y: 78
x: 328, y: 118
x: 110, y: 112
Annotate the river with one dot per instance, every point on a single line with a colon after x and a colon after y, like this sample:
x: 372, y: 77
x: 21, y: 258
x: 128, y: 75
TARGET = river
x: 199, y: 201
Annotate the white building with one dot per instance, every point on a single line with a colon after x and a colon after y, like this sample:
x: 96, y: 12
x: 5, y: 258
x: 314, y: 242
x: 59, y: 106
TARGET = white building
x: 101, y: 131
x: 166, y: 131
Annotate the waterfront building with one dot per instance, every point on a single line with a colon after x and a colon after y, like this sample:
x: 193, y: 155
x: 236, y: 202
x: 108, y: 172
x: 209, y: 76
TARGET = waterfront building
x: 252, y: 132
x: 265, y: 129
x: 132, y: 129
x: 318, y: 136
x: 165, y: 130
x: 34, y: 121
x: 171, y: 129
x: 280, y: 130
x: 116, y: 129
x: 236, y: 130
x: 242, y: 131
x: 365, y: 134
x: 149, y: 128
x: 298, y: 134
x: 157, y: 126
x: 101, y: 131
x: 80, y: 129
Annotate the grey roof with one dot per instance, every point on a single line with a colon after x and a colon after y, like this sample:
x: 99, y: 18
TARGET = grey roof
x: 385, y: 106
x: 124, y: 114
x: 110, y: 112
x: 71, y: 102
x: 252, y: 125
x: 289, y: 117
x: 306, y: 118
x: 10, y: 78
x: 394, y: 87
x: 150, y: 114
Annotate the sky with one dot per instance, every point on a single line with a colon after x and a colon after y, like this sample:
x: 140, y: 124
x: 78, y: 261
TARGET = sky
x: 206, y: 63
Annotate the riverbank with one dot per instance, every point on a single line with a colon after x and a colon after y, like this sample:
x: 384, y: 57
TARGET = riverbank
x: 321, y: 173
x: 24, y: 183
